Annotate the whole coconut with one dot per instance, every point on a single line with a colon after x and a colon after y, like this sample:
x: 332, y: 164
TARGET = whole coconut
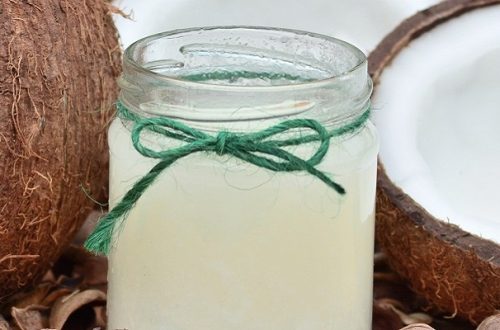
x: 58, y: 63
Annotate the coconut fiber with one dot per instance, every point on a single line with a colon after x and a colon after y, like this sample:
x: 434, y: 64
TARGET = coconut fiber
x: 59, y: 60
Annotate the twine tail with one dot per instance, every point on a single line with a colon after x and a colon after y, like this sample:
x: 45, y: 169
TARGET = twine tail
x: 305, y: 165
x: 99, y: 241
x: 329, y: 182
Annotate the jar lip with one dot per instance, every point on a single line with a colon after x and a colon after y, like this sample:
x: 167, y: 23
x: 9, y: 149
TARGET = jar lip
x: 130, y: 61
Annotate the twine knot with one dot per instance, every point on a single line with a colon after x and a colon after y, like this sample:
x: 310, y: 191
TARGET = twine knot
x: 260, y: 148
x: 221, y: 141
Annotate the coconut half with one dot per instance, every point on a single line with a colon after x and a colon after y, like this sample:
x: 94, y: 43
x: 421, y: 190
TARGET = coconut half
x: 438, y: 97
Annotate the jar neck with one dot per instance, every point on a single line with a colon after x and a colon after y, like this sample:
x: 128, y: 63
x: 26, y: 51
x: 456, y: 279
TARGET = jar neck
x: 238, y: 77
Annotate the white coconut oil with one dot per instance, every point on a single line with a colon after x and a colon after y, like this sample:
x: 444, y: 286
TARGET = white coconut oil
x: 220, y: 244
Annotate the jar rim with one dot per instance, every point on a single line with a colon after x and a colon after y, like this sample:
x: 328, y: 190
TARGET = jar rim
x: 130, y: 61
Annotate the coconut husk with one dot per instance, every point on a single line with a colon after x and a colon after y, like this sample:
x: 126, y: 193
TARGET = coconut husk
x: 454, y: 270
x: 58, y: 64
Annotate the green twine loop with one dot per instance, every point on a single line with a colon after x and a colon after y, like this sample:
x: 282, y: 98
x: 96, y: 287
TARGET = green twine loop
x: 253, y: 148
x: 232, y: 76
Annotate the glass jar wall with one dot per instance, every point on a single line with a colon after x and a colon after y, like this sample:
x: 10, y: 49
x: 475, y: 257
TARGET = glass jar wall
x: 217, y: 242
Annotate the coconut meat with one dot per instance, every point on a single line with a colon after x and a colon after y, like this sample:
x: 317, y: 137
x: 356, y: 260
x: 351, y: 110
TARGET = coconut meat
x: 437, y: 109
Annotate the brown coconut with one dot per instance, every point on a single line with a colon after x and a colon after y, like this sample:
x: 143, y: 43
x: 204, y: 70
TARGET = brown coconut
x: 58, y: 63
x: 455, y: 270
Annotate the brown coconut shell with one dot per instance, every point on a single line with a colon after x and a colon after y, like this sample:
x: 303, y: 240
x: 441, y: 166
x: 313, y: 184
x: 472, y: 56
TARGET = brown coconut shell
x: 58, y: 63
x: 453, y: 269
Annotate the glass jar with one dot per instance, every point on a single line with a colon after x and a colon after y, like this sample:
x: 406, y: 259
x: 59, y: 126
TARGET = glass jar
x: 217, y: 242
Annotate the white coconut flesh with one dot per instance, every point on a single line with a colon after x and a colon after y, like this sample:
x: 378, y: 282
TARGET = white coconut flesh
x: 437, y: 109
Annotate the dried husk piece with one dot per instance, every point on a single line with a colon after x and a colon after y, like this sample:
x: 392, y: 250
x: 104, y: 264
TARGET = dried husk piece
x: 413, y: 318
x: 4, y: 325
x: 398, y: 308
x: 100, y: 316
x: 55, y: 295
x: 33, y: 297
x: 490, y: 323
x: 29, y: 318
x: 67, y: 305
x: 385, y: 318
x: 420, y: 326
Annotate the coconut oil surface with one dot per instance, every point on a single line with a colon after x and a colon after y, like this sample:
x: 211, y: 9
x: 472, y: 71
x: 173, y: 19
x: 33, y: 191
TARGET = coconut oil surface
x: 220, y: 244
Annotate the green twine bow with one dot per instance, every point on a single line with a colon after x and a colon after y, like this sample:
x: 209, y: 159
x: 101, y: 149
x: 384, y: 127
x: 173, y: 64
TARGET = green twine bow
x: 253, y: 148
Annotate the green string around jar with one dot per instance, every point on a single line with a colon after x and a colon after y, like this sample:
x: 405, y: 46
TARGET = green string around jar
x: 256, y: 148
